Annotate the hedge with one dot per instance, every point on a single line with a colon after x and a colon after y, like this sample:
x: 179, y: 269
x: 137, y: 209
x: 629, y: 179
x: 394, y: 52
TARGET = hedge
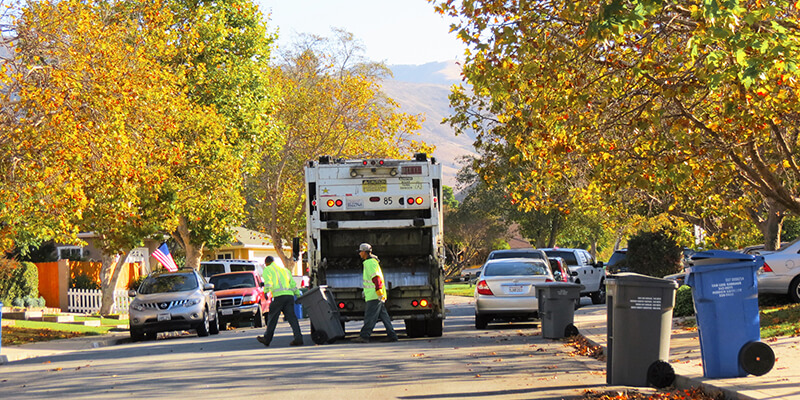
x: 18, y: 280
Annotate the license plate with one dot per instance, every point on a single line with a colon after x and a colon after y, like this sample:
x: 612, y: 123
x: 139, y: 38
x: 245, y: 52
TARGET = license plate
x: 227, y: 311
x: 515, y: 289
x: 164, y: 317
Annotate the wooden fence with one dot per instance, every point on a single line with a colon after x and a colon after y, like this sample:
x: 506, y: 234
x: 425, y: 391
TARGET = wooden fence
x: 88, y: 301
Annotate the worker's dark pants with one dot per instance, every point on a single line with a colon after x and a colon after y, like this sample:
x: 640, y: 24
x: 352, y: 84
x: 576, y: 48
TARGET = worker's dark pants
x: 374, y: 311
x: 282, y: 304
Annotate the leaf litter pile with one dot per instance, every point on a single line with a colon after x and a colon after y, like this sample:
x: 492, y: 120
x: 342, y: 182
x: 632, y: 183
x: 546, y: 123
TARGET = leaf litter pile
x: 690, y: 394
x: 15, y: 336
x: 585, y: 348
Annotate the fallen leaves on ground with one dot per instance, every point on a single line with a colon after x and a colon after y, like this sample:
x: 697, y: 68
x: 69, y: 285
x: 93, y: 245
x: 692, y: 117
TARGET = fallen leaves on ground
x: 690, y: 394
x: 584, y: 348
x: 15, y: 336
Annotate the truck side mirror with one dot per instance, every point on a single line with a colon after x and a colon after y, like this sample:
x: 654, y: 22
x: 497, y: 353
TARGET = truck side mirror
x: 599, y: 264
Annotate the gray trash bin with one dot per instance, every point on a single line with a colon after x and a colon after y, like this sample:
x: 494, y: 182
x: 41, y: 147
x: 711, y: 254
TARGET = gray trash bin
x: 557, y: 308
x: 326, y: 326
x: 639, y: 328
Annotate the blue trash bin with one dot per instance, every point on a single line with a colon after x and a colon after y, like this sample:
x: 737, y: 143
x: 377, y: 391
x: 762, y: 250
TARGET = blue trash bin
x: 725, y: 296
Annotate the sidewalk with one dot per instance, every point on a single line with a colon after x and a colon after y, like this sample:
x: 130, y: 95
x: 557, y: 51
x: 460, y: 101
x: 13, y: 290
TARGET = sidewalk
x: 685, y: 359
x: 53, y: 347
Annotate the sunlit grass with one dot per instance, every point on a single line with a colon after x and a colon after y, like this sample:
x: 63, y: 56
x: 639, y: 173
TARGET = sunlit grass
x: 459, y: 289
x: 780, y: 321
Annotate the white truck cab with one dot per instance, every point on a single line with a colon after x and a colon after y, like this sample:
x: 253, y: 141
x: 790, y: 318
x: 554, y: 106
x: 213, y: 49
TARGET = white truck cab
x: 584, y: 270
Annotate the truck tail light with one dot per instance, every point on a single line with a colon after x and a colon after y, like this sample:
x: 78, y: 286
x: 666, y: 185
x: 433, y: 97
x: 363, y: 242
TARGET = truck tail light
x: 341, y: 305
x: 419, y: 200
x: 330, y: 203
x: 483, y: 288
x: 410, y: 200
x: 419, y: 303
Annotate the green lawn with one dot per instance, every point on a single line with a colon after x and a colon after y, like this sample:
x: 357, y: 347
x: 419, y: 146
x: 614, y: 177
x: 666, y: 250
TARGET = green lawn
x: 780, y: 321
x: 459, y: 289
x: 55, y: 326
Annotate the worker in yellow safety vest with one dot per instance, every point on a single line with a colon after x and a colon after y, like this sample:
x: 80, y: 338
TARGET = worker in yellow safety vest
x: 279, y: 282
x: 375, y: 297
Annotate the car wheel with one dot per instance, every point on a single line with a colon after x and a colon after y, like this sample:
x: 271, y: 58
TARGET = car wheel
x: 794, y: 290
x: 151, y: 336
x: 599, y: 297
x: 137, y: 335
x: 223, y: 326
x: 258, y: 319
x: 482, y: 321
x: 213, y: 327
x: 203, y: 327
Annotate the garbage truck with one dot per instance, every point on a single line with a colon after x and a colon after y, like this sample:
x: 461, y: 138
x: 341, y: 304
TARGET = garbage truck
x: 394, y: 205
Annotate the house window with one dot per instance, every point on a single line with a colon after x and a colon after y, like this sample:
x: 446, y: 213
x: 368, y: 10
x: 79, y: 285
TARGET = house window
x: 73, y: 253
x: 228, y: 255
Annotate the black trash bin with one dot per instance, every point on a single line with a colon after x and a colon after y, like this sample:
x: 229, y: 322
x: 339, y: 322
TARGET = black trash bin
x: 557, y: 308
x: 326, y: 326
x: 639, y: 328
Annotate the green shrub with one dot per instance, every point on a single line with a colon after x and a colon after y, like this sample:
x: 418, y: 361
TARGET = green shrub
x: 83, y: 281
x: 18, y: 280
x: 653, y: 253
x: 18, y: 302
x: 684, y: 306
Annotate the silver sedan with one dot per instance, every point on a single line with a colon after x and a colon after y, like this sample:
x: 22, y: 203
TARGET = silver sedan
x: 506, y: 290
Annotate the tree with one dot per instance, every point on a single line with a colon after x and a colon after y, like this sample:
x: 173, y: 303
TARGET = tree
x: 225, y: 49
x: 676, y: 101
x: 331, y: 104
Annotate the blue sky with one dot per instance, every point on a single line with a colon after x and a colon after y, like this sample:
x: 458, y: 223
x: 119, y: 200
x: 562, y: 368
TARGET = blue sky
x: 394, y: 31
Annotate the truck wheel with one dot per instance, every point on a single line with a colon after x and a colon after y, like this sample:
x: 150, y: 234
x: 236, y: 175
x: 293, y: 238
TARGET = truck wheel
x: 482, y: 321
x: 415, y: 328
x: 599, y: 297
x: 203, y: 327
x: 434, y: 327
x: 258, y: 318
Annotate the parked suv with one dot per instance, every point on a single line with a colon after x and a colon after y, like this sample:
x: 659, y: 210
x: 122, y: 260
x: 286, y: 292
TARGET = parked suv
x: 213, y: 267
x: 240, y: 297
x: 584, y: 270
x: 172, y: 301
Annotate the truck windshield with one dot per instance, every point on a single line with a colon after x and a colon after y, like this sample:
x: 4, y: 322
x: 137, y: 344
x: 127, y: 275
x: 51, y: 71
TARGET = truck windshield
x: 236, y: 281
x: 568, y: 256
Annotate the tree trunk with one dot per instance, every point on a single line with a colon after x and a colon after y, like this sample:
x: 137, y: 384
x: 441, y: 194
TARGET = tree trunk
x: 194, y: 253
x: 555, y: 226
x: 771, y: 229
x: 109, y: 276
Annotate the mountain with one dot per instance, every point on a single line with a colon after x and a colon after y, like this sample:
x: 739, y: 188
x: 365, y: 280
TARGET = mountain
x: 423, y: 89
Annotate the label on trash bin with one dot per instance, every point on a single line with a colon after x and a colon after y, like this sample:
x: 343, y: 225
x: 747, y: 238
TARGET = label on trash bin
x: 646, y: 303
x: 729, y: 288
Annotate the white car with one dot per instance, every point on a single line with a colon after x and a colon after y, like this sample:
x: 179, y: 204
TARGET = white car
x: 506, y: 289
x: 781, y: 272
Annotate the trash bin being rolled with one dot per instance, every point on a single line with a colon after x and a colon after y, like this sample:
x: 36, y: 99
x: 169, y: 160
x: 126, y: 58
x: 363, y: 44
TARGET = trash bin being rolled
x: 557, y: 308
x: 326, y: 326
x: 639, y: 313
x: 725, y: 296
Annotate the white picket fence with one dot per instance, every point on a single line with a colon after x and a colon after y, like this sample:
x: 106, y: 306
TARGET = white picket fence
x: 88, y: 301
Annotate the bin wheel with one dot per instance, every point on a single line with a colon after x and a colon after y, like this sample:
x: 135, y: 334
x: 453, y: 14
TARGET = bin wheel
x: 571, y: 330
x: 756, y: 358
x: 660, y: 374
x: 319, y: 337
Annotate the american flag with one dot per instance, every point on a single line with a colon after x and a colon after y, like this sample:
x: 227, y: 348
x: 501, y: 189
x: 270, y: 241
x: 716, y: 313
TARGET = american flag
x: 162, y: 255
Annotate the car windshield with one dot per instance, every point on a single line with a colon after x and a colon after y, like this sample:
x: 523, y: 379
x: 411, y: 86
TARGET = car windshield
x: 568, y: 256
x: 236, y: 281
x: 168, y: 283
x: 514, y: 254
x: 615, y: 258
x: 514, y: 268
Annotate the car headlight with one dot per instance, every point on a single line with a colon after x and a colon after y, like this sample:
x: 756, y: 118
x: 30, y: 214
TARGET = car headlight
x: 250, y: 299
x: 137, y: 306
x: 192, y: 302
